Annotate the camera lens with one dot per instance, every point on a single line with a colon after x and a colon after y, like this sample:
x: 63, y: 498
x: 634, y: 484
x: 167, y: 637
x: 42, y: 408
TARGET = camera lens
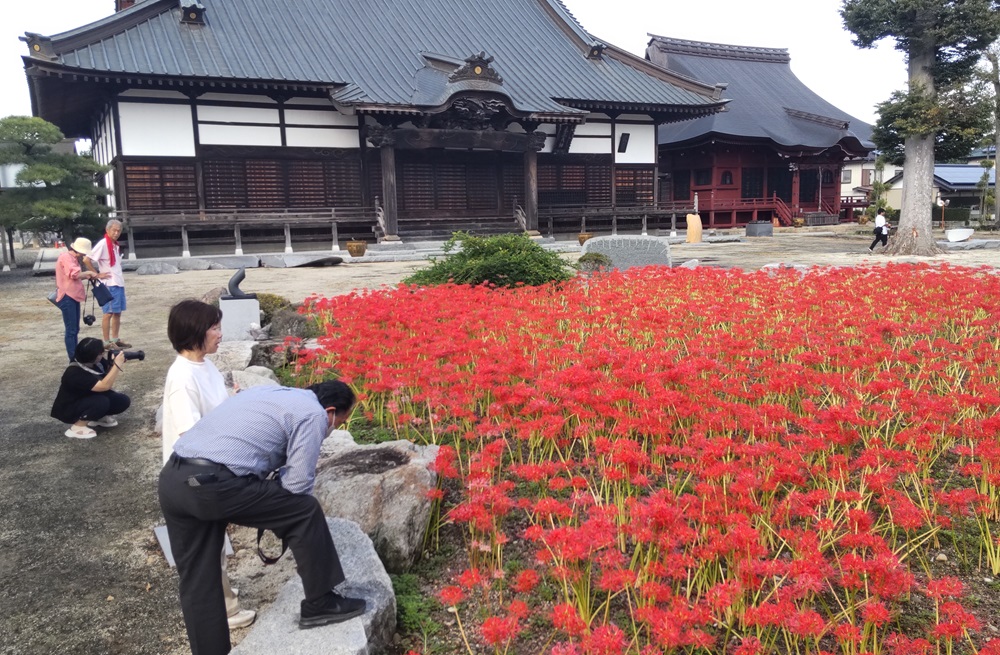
x: 135, y: 354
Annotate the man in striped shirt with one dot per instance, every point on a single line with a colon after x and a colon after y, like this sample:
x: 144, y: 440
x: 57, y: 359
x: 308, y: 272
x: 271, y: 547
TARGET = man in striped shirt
x: 217, y: 475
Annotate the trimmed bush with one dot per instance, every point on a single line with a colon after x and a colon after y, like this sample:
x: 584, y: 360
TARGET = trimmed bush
x: 505, y: 260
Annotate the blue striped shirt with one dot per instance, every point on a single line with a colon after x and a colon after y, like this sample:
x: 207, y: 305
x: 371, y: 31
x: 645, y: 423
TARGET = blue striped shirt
x: 260, y: 430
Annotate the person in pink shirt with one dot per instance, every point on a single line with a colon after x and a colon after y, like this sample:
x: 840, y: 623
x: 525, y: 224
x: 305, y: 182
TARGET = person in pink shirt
x: 70, y: 270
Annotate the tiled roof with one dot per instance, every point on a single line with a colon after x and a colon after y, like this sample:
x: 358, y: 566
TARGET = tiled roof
x: 768, y: 101
x: 370, y: 52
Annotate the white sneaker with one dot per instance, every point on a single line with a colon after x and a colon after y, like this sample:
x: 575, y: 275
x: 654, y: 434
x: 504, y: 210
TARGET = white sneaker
x: 78, y: 432
x: 104, y: 422
x: 242, y: 619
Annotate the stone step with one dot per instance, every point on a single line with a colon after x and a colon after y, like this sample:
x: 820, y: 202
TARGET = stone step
x: 277, y: 628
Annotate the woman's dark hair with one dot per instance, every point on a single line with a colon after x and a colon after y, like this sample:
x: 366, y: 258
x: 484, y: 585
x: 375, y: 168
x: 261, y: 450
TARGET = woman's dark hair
x: 189, y: 322
x: 334, y: 394
x: 88, y: 350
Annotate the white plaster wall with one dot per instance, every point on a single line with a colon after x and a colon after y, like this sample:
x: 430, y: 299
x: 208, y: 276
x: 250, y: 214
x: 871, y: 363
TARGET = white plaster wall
x: 239, y: 135
x: 593, y: 129
x: 598, y: 146
x: 317, y: 117
x: 152, y: 93
x: 236, y: 97
x: 305, y: 137
x: 109, y: 182
x: 641, y: 144
x: 150, y: 130
x: 238, y: 114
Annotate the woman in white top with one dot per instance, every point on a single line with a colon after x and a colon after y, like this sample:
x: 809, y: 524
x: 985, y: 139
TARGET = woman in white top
x: 194, y: 387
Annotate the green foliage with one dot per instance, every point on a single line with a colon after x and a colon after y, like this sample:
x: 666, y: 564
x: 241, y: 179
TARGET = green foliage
x: 955, y: 31
x: 271, y: 303
x: 57, y: 191
x: 593, y: 261
x: 413, y: 610
x: 957, y: 117
x: 505, y: 260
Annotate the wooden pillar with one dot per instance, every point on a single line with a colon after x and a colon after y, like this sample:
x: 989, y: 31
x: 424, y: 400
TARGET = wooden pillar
x: 288, y: 239
x: 795, y: 191
x: 131, y: 244
x: 336, y: 241
x: 531, y: 189
x: 389, y: 189
x: 239, y: 239
x: 185, y: 248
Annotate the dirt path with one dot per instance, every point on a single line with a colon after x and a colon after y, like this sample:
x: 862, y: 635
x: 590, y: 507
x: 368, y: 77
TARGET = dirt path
x: 80, y: 571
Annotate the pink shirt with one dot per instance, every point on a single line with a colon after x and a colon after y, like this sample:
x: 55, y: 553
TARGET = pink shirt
x: 68, y: 277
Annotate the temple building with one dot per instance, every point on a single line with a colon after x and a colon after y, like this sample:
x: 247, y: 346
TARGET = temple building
x: 776, y: 152
x: 384, y: 115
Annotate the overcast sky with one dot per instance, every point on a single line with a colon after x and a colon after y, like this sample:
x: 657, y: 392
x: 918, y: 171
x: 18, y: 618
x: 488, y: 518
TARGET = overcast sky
x: 822, y: 54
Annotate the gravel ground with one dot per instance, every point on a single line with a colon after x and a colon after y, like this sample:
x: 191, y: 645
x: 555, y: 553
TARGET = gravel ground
x: 80, y: 571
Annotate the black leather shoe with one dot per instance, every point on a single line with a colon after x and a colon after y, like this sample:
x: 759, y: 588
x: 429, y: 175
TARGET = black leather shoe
x: 331, y: 608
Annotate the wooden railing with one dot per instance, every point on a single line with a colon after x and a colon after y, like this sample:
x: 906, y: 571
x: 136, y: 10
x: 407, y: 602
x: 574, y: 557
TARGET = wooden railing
x: 211, y: 218
x: 632, y: 217
x: 783, y: 211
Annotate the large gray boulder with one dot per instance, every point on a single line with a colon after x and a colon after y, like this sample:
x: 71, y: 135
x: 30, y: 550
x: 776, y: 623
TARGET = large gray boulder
x: 383, y: 488
x: 232, y: 356
x: 627, y: 251
x: 157, y: 268
x: 277, y: 629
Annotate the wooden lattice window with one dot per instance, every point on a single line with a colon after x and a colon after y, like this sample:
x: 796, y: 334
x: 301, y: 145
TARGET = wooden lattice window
x: 682, y: 185
x: 752, y: 183
x: 574, y: 183
x: 160, y: 187
x: 634, y: 186
x: 281, y: 183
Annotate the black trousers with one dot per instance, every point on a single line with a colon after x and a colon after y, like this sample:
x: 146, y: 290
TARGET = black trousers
x: 882, y: 238
x: 101, y: 404
x: 197, y: 517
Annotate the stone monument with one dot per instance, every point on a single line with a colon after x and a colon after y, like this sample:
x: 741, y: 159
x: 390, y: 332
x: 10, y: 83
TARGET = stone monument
x: 240, y: 311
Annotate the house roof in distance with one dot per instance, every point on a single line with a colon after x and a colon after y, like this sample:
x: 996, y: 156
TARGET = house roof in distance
x: 955, y: 177
x: 769, y: 103
x: 397, y: 56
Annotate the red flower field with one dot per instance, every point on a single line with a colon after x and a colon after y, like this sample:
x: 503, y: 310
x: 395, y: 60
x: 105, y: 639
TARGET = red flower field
x: 699, y: 461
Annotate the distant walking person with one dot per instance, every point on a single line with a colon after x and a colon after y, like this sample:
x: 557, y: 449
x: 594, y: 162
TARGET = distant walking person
x: 881, y: 231
x: 69, y: 289
x: 108, y: 256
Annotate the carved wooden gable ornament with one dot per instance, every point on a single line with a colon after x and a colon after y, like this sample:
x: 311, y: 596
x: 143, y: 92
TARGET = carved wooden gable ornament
x: 477, y: 67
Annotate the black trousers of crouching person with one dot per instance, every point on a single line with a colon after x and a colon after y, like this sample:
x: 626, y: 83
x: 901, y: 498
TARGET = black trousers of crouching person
x: 98, y: 405
x: 196, y: 518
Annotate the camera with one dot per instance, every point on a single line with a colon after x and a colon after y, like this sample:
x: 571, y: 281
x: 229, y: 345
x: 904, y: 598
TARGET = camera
x: 89, y: 319
x: 129, y: 355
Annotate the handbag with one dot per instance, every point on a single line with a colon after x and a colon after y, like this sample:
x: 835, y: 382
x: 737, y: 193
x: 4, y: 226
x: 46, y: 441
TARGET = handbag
x: 100, y: 292
x: 52, y: 297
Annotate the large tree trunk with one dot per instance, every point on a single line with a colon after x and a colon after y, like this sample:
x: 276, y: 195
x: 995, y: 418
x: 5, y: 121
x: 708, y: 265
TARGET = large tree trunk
x: 914, y: 237
x: 993, y: 56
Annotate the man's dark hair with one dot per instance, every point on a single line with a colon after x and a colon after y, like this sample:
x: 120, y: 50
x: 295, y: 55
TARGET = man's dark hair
x: 881, y: 210
x: 88, y: 350
x: 334, y: 394
x: 189, y: 322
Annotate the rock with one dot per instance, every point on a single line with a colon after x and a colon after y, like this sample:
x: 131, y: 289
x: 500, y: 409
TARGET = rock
x: 193, y: 264
x: 212, y: 297
x: 262, y: 371
x: 292, y: 260
x: 287, y: 323
x: 269, y: 354
x: 157, y: 268
x: 232, y: 355
x: 941, y: 557
x: 691, y: 263
x: 277, y: 631
x: 632, y: 250
x: 383, y: 488
x: 245, y: 380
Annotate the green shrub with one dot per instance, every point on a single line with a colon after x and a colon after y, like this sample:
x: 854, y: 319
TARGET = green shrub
x: 269, y: 304
x: 593, y: 261
x: 505, y: 260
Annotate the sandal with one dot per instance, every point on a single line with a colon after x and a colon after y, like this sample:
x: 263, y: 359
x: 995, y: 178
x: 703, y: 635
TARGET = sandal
x: 79, y: 432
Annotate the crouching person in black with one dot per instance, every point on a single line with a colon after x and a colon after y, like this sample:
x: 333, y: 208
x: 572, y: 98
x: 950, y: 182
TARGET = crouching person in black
x: 218, y: 474
x: 86, y: 397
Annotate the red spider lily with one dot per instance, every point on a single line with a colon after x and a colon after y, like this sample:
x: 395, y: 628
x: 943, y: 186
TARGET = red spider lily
x: 776, y: 459
x: 451, y: 596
